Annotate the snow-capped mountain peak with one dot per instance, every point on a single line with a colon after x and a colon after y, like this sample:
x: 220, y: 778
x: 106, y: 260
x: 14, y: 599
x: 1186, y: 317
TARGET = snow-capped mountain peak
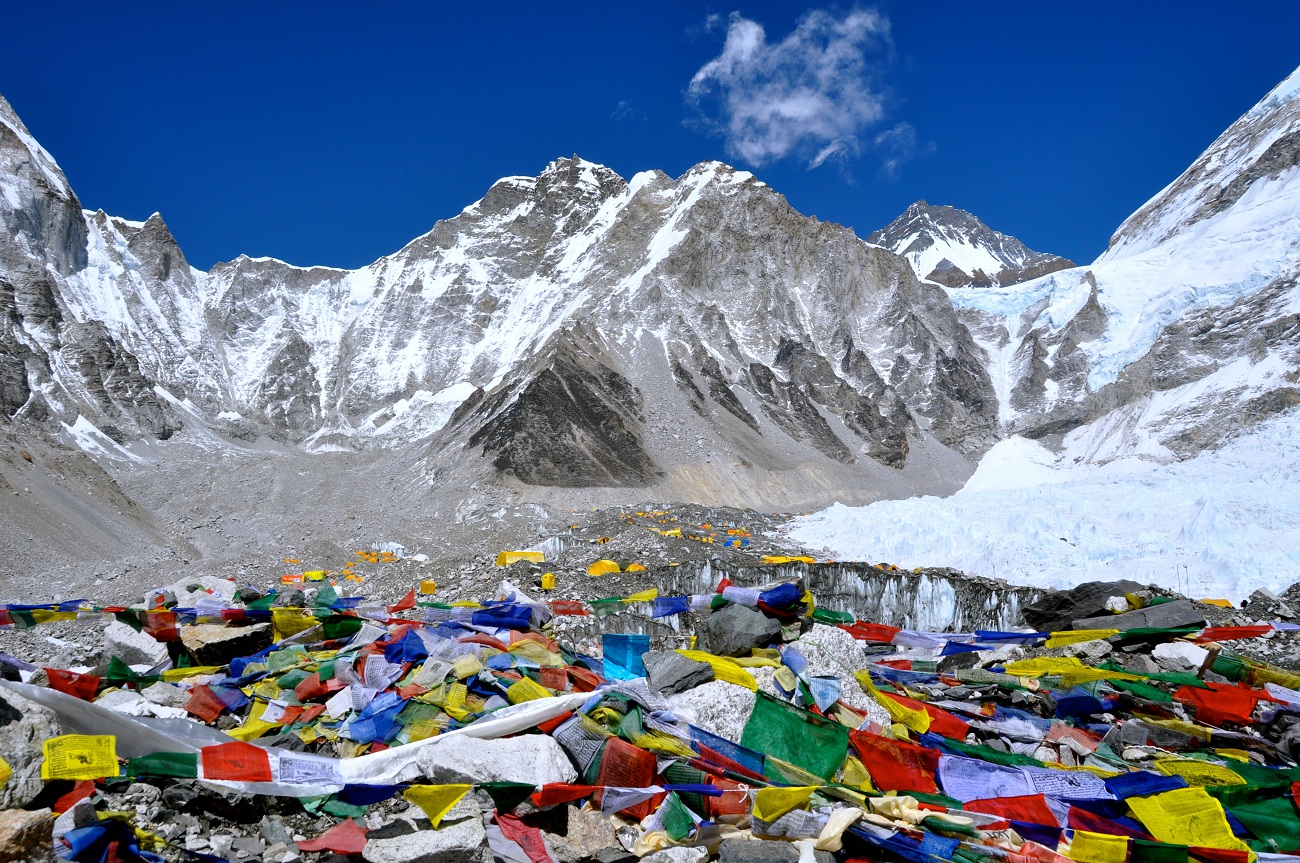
x: 955, y: 249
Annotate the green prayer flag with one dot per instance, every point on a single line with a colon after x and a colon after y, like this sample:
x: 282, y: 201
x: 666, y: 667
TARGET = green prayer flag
x: 806, y: 740
x: 676, y: 818
x: 507, y: 795
x: 341, y: 625
x: 130, y: 618
x: 182, y: 765
x: 1269, y: 813
x: 1144, y: 851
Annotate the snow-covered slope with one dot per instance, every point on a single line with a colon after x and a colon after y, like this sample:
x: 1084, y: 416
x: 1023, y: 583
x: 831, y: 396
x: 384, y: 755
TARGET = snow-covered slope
x: 1184, y: 332
x: 955, y: 249
x: 1219, y: 525
x: 1160, y: 386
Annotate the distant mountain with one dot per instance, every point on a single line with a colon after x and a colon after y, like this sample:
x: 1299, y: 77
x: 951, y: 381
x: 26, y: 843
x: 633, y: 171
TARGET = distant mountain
x: 957, y: 250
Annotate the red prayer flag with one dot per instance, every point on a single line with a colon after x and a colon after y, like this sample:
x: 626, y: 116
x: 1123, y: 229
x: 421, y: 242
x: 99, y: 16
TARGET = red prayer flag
x: 551, y: 724
x: 1221, y: 702
x: 81, y: 686
x: 1030, y: 808
x: 626, y: 766
x: 161, y: 625
x: 526, y: 837
x: 559, y: 792
x: 568, y: 606
x: 896, y: 765
x: 238, y: 761
x: 204, y: 703
x: 583, y: 680
x: 346, y: 837
x: 1228, y: 633
x: 731, y: 801
x: 877, y: 632
x: 406, y: 602
x: 83, y: 789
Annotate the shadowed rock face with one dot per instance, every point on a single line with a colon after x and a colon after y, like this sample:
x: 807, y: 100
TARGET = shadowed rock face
x: 574, y: 424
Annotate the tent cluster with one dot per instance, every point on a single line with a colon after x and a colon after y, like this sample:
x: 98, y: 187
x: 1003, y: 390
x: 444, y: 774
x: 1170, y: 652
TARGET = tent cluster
x: 1137, y: 735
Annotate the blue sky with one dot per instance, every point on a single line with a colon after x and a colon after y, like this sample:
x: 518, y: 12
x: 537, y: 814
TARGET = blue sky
x: 334, y: 133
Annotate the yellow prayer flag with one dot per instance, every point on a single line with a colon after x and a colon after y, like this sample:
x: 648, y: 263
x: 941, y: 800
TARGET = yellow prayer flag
x: 80, y: 756
x: 771, y: 803
x: 436, y: 800
x: 913, y: 718
x: 290, y: 621
x: 1199, y: 773
x: 643, y: 595
x: 172, y: 675
x: 1098, y: 848
x: 724, y: 669
x: 1078, y: 636
x: 5, y: 772
x: 1187, y: 816
x: 855, y: 774
x: 45, y: 615
x: 466, y: 666
x: 525, y: 689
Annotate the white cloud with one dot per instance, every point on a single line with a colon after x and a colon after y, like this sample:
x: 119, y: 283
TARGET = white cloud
x: 898, y: 146
x: 810, y: 95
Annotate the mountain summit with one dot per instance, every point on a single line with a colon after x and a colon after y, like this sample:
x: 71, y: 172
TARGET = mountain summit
x: 957, y: 250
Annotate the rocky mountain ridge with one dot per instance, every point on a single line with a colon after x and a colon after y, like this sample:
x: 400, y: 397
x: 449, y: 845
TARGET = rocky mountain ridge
x: 579, y: 336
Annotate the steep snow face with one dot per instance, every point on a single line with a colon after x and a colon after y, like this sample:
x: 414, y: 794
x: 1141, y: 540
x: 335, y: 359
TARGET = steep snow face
x: 955, y: 249
x: 1183, y: 332
x: 1219, y: 525
x: 1160, y: 386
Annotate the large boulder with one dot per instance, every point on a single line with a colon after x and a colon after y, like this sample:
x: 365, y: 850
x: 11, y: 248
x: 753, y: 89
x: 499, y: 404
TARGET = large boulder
x: 668, y: 672
x: 532, y: 758
x: 459, y: 839
x: 131, y: 646
x: 1166, y: 615
x: 735, y: 630
x: 25, y: 836
x: 24, y: 728
x: 218, y: 643
x: 1058, y: 609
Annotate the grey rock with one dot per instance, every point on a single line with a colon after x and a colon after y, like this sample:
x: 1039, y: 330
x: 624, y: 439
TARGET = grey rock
x: 677, y: 855
x: 669, y: 672
x: 133, y: 648
x: 533, y: 758
x: 1056, y: 610
x: 166, y: 694
x: 735, y: 630
x: 463, y: 841
x: 587, y: 835
x: 760, y: 851
x: 217, y: 644
x: 24, y: 728
x: 273, y: 830
x: 1180, y: 612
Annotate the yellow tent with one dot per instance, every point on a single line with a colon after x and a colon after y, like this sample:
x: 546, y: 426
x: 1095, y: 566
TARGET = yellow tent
x: 602, y: 567
x: 506, y: 558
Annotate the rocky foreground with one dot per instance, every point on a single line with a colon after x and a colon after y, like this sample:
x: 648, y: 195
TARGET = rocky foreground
x: 738, y: 705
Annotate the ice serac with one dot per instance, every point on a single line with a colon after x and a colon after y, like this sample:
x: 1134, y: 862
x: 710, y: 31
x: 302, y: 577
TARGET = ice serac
x: 1184, y: 332
x: 955, y: 249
